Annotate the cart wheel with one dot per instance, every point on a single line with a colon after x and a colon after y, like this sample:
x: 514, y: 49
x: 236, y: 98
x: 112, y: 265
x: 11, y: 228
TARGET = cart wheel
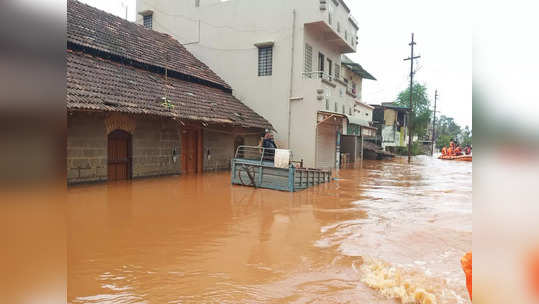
x: 250, y: 172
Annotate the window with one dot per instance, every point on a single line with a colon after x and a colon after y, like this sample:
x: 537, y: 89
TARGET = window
x: 330, y: 67
x: 336, y: 107
x: 337, y: 71
x: 338, y: 27
x: 197, y: 3
x: 308, y: 59
x: 147, y: 20
x: 265, y: 61
x: 321, y: 59
x: 327, y: 104
x: 343, y: 109
x: 346, y: 35
x: 350, y: 111
x: 330, y: 14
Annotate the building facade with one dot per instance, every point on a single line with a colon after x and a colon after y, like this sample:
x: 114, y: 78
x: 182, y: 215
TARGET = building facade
x: 392, y: 123
x: 283, y: 58
x: 139, y: 104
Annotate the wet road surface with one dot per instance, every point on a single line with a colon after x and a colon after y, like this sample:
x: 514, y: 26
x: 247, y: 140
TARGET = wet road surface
x: 386, y: 233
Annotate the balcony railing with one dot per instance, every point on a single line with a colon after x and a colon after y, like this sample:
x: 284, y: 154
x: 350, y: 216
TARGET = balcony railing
x: 318, y: 75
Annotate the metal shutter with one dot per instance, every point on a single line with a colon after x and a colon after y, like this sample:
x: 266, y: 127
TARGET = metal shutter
x: 325, y: 146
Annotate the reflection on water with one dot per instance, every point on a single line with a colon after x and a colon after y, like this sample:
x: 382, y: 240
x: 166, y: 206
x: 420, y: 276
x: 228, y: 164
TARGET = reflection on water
x: 193, y: 239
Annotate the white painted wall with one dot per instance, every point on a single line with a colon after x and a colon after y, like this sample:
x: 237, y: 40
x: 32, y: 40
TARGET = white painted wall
x: 228, y: 33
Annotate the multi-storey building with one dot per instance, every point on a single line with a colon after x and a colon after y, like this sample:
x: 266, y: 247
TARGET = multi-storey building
x: 283, y: 59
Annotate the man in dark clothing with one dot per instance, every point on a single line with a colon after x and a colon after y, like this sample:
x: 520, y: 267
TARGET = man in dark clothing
x: 269, y: 145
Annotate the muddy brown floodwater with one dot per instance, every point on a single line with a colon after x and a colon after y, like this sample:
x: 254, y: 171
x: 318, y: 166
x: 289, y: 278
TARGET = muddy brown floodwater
x: 386, y: 233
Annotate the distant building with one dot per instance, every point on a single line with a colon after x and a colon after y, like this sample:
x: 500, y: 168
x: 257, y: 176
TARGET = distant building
x: 391, y: 122
x: 283, y: 58
x: 139, y: 104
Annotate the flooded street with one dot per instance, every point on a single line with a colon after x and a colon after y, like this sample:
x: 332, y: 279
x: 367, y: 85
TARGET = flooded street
x: 388, y: 230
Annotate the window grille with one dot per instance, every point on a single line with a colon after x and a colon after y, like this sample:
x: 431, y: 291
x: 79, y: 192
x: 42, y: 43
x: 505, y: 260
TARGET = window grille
x: 147, y: 20
x: 330, y: 68
x: 308, y: 59
x: 265, y: 61
x: 337, y: 71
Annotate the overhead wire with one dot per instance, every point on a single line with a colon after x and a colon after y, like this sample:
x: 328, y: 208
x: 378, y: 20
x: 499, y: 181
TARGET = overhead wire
x: 214, y: 25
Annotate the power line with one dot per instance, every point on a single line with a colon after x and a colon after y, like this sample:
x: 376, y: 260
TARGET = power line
x: 214, y: 25
x: 411, y: 110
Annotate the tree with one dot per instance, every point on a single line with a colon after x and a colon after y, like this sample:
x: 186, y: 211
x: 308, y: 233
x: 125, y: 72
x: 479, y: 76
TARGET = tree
x: 446, y: 130
x: 420, y: 104
x: 467, y: 136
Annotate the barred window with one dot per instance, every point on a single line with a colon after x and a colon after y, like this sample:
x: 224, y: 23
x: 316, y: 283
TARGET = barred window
x: 337, y: 71
x: 147, y: 20
x: 265, y: 61
x: 330, y: 66
x: 308, y: 59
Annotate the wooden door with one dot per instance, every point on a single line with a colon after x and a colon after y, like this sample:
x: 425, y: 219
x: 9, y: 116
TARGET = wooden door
x: 119, y: 155
x: 191, y: 151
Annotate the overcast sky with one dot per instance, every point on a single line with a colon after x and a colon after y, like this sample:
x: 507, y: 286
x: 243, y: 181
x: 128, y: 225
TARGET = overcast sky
x: 443, y: 35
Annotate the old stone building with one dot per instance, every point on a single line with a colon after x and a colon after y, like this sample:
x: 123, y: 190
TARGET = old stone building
x: 139, y: 104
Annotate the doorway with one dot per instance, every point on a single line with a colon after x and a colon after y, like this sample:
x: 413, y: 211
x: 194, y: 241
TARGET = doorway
x: 119, y: 155
x: 191, y: 151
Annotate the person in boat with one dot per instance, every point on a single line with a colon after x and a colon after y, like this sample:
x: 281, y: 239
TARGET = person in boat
x: 444, y: 151
x: 269, y: 144
x: 468, y: 150
x: 458, y: 151
x: 450, y: 151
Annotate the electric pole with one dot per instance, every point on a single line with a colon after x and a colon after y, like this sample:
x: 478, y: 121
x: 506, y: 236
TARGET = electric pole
x: 411, y: 111
x: 434, y: 122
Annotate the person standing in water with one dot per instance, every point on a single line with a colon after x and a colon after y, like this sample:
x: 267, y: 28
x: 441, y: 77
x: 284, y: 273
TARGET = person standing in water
x: 269, y: 144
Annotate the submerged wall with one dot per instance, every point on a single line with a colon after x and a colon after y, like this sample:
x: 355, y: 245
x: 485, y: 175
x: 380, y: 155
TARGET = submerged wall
x: 153, y: 142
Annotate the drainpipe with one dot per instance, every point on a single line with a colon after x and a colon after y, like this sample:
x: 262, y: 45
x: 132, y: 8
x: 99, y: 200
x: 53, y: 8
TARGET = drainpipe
x: 291, y: 74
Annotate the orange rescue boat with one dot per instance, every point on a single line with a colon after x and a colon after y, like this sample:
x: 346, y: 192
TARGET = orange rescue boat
x: 457, y: 158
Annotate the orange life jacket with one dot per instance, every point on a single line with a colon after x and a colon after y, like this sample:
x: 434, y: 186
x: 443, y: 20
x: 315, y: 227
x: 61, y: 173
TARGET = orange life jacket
x: 444, y: 151
x: 450, y: 151
x: 466, y: 263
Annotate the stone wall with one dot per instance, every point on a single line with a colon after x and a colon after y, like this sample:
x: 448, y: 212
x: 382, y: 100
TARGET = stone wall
x: 219, y: 148
x: 86, y: 148
x: 153, y: 142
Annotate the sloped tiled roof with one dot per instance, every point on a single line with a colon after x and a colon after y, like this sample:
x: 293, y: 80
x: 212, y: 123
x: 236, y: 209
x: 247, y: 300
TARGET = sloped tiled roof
x: 356, y: 68
x: 102, y: 85
x: 96, y: 29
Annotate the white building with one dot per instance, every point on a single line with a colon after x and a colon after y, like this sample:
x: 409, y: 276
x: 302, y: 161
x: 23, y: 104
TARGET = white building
x: 283, y: 59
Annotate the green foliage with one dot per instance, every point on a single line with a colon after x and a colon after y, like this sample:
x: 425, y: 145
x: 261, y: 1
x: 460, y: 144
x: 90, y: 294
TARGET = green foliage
x: 447, y: 130
x: 422, y: 113
x: 467, y: 136
x: 416, y: 150
x: 166, y: 103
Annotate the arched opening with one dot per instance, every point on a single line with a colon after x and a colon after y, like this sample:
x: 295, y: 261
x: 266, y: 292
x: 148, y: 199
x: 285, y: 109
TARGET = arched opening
x: 119, y: 155
x: 239, y: 141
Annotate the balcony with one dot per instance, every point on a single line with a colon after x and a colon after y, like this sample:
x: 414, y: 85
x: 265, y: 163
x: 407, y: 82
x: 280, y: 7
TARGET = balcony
x: 323, y: 76
x: 326, y: 31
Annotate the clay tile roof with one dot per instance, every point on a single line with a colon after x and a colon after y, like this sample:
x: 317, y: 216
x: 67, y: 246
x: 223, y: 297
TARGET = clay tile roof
x: 96, y: 29
x: 102, y: 85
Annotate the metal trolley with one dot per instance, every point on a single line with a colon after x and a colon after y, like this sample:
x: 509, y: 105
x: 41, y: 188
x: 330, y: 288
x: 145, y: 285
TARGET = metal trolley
x: 255, y: 167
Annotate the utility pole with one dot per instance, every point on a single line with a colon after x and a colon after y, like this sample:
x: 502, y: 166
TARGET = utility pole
x: 411, y: 111
x: 434, y: 122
